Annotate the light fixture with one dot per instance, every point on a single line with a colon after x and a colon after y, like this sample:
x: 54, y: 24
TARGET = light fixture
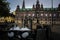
x: 46, y: 14
x: 41, y: 14
x: 25, y: 34
x: 33, y: 14
x: 10, y: 34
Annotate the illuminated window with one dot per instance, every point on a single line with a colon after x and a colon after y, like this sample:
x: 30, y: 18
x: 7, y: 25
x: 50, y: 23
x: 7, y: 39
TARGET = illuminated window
x: 54, y: 14
x: 46, y: 14
x: 50, y: 15
x: 29, y: 14
x: 32, y: 14
x: 24, y: 14
x: 41, y: 14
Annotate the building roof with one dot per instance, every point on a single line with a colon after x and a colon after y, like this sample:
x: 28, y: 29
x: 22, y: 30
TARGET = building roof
x: 30, y: 9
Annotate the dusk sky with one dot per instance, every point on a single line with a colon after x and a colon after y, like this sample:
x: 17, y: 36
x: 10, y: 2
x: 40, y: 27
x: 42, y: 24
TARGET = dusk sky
x: 29, y: 3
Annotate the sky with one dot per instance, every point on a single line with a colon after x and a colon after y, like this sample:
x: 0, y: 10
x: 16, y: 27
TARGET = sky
x: 29, y: 3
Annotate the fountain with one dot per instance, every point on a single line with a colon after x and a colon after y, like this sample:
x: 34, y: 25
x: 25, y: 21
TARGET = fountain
x: 19, y: 29
x: 24, y: 30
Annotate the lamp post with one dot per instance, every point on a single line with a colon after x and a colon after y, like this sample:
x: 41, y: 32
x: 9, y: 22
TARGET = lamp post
x: 37, y: 12
x: 24, y: 21
x: 30, y: 21
x: 52, y: 3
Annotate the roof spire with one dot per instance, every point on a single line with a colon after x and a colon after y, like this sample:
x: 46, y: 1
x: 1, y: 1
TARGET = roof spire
x: 18, y: 8
x: 41, y: 6
x: 59, y: 7
x: 33, y: 7
x: 23, y: 5
x: 37, y: 5
x: 37, y: 1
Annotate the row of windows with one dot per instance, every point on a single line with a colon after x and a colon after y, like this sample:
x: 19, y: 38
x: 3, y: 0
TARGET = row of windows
x: 54, y: 15
x: 38, y: 19
x: 42, y: 22
x: 48, y: 22
x: 42, y: 14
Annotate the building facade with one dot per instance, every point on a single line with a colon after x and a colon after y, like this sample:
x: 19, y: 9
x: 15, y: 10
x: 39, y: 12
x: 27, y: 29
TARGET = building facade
x: 30, y: 17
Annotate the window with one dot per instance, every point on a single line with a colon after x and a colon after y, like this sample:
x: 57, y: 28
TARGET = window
x: 46, y: 14
x: 32, y: 14
x: 54, y: 14
x: 50, y: 14
x: 41, y: 14
x: 29, y: 14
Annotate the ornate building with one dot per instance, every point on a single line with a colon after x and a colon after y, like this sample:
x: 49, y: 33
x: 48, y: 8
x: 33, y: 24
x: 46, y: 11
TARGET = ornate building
x: 37, y: 14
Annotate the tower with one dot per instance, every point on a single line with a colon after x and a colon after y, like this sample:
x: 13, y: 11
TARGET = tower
x: 59, y: 7
x: 23, y: 5
x: 17, y: 13
x: 37, y: 10
x: 41, y: 6
x: 37, y: 5
x: 33, y: 8
x: 18, y: 8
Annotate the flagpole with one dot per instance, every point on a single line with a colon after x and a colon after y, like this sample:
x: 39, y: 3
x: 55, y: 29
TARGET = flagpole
x: 52, y: 3
x: 52, y: 12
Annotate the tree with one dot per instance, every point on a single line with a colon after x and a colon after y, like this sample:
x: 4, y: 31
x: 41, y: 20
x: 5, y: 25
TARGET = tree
x: 4, y: 8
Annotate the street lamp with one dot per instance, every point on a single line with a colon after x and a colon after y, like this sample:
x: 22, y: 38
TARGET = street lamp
x: 30, y: 20
x: 24, y: 21
x: 37, y: 12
